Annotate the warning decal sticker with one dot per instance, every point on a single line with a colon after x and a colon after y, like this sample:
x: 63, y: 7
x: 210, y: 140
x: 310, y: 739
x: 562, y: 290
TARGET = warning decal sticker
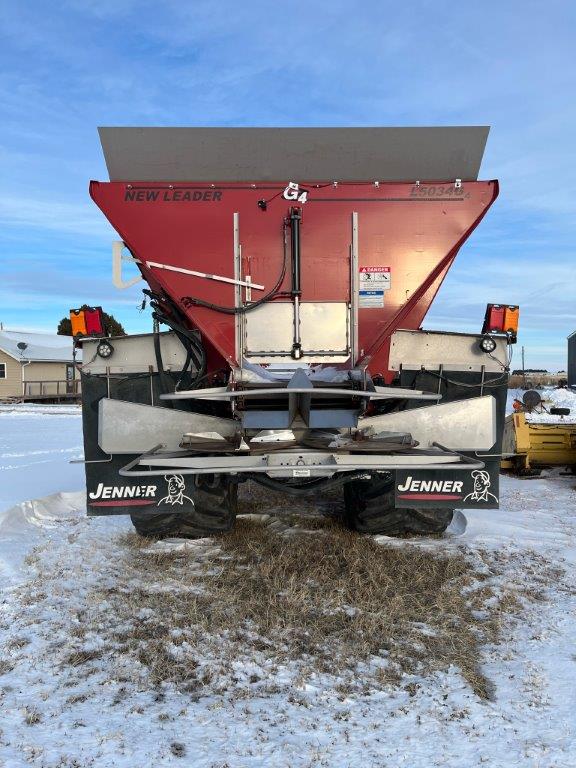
x: 372, y: 284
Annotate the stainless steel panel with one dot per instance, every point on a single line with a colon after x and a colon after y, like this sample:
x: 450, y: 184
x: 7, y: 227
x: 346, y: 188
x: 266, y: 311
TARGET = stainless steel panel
x: 291, y: 463
x: 324, y: 327
x: 133, y: 354
x: 125, y: 427
x: 271, y: 392
x: 354, y: 289
x: 283, y: 154
x: 269, y: 329
x: 324, y: 332
x: 463, y: 425
x: 454, y: 351
x: 238, y: 319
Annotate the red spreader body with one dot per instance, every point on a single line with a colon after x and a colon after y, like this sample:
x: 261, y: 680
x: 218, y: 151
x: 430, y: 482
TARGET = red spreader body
x: 407, y: 234
x: 293, y: 269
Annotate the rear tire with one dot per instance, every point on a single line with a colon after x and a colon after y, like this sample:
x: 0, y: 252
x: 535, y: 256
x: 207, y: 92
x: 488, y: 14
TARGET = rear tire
x: 369, y: 508
x: 214, y: 511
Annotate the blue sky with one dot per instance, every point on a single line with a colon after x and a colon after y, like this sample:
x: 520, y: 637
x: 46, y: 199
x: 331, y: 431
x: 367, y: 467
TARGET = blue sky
x: 67, y: 67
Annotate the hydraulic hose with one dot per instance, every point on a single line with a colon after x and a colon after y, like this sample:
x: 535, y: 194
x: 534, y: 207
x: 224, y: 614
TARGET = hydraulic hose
x: 191, y: 301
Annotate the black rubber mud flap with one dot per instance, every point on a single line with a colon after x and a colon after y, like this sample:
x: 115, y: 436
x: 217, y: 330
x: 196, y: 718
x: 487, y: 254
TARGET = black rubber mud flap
x: 168, y: 504
x: 210, y: 509
x: 477, y: 487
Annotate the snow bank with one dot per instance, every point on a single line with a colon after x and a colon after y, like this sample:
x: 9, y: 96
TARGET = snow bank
x: 25, y: 525
x: 46, y: 513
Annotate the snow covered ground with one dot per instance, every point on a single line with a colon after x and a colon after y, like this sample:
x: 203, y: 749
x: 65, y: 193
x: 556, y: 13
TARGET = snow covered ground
x: 36, y: 445
x: 66, y: 701
x: 552, y: 397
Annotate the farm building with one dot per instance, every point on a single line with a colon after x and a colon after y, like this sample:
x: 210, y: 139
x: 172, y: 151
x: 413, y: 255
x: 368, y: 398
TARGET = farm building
x: 572, y: 359
x: 37, y: 366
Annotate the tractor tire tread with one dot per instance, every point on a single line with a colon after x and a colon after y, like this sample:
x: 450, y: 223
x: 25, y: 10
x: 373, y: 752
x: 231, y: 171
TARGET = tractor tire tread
x: 370, y: 513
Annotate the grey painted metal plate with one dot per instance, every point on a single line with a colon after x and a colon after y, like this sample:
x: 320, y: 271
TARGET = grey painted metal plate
x: 281, y: 154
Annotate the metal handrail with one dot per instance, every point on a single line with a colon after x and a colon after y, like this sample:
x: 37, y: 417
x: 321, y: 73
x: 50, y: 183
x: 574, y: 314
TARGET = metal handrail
x: 46, y: 387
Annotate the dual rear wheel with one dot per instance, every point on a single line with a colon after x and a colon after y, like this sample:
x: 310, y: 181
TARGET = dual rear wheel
x: 368, y: 508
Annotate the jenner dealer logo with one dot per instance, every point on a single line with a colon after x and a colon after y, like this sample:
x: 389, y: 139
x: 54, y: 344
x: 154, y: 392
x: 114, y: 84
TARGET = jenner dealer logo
x: 414, y: 488
x: 140, y: 495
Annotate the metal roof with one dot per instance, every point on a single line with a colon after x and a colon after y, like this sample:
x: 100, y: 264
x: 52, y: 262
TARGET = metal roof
x: 298, y: 154
x: 40, y: 347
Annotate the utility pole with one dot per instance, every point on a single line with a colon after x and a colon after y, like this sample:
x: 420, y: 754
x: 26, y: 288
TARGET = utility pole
x: 523, y: 371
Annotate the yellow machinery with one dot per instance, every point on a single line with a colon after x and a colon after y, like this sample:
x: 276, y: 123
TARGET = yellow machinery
x: 530, y: 446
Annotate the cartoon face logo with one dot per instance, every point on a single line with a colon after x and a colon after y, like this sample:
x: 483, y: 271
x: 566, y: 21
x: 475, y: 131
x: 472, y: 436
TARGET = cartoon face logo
x: 481, y: 486
x: 176, y: 488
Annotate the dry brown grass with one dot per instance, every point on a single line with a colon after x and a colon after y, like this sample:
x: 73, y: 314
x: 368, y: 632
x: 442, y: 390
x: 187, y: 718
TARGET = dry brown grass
x: 32, y: 716
x: 325, y: 602
x: 78, y: 698
x: 78, y: 657
x: 5, y: 667
x: 16, y: 643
